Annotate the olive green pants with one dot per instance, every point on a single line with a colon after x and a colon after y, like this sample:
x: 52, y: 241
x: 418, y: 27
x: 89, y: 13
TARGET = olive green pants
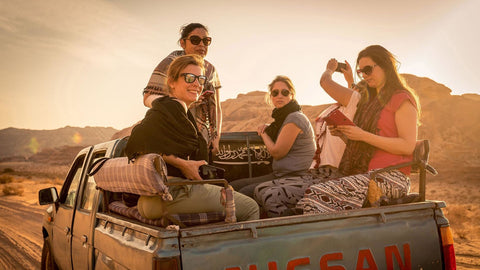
x: 196, y: 199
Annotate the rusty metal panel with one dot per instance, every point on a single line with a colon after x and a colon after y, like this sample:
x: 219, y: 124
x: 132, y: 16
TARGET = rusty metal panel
x: 119, y: 244
x: 408, y: 238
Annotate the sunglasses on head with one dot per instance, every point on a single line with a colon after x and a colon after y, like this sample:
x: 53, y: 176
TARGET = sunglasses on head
x: 195, y: 40
x: 284, y: 92
x: 190, y: 78
x: 366, y: 70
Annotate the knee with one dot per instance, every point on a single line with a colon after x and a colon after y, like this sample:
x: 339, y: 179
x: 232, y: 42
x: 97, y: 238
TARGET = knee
x: 246, y: 208
x: 151, y: 207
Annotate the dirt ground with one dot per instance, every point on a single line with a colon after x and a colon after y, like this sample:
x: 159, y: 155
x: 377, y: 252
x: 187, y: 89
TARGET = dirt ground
x: 21, y: 238
x: 21, y: 217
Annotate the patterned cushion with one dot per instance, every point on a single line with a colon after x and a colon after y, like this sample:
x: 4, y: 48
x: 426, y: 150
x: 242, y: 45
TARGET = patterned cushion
x: 145, y: 176
x: 191, y: 219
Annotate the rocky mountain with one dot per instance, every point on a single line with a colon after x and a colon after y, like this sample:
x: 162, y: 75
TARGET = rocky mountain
x: 450, y: 122
x: 25, y: 142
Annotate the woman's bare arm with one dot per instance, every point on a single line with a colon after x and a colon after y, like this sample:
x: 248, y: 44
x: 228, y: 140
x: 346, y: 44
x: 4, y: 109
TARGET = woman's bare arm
x: 285, y: 140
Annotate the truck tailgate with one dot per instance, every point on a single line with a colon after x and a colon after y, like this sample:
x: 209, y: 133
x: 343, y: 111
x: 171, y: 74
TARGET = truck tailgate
x: 121, y: 244
x: 393, y: 237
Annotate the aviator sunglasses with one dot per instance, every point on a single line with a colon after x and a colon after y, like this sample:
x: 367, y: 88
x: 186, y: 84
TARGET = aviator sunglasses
x: 195, y: 40
x: 275, y: 92
x: 366, y: 70
x: 190, y: 78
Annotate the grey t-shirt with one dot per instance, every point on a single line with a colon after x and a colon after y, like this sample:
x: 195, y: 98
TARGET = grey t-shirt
x: 299, y: 158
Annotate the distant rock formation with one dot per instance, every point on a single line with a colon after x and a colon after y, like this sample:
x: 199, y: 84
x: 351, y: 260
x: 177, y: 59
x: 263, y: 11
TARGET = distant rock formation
x: 450, y: 122
x: 63, y: 155
x: 27, y: 142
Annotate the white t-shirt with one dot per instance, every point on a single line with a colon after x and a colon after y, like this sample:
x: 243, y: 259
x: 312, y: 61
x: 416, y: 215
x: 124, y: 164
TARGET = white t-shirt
x: 333, y: 146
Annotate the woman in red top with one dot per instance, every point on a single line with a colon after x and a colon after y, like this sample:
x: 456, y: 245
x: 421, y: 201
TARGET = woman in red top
x: 385, y: 134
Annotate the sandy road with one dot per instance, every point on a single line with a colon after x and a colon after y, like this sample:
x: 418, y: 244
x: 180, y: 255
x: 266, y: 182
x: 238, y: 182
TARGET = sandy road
x: 20, y: 235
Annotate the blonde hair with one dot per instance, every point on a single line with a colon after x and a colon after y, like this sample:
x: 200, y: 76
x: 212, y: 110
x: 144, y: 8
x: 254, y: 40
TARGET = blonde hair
x: 280, y: 78
x: 180, y: 63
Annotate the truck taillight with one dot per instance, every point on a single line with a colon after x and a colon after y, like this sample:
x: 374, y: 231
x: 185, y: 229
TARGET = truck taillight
x: 171, y: 263
x: 447, y: 248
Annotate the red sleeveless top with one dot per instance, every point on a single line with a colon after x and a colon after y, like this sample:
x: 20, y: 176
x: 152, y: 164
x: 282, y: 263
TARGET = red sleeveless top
x: 387, y: 127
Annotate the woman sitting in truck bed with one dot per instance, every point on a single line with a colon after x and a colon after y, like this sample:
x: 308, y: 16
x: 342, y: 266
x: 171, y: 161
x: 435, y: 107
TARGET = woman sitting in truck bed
x: 384, y: 134
x: 289, y: 139
x: 280, y: 195
x: 170, y: 130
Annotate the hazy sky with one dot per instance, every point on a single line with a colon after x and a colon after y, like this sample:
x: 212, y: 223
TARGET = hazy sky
x: 85, y: 63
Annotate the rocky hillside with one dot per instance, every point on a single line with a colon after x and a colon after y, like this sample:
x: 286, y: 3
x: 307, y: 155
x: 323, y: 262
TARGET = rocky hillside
x: 25, y: 142
x: 450, y: 122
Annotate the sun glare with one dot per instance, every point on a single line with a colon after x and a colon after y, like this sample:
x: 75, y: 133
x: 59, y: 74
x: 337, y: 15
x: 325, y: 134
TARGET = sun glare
x: 33, y: 145
x: 77, y: 138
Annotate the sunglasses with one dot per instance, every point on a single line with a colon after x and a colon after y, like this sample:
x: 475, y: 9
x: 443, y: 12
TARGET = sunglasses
x: 190, y: 78
x: 195, y: 40
x: 284, y: 92
x: 366, y: 70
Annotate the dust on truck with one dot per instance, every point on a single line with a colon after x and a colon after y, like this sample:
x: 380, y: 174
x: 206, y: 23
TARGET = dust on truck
x: 81, y: 232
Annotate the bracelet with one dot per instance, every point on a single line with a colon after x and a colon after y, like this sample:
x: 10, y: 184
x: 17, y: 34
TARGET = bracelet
x: 352, y: 85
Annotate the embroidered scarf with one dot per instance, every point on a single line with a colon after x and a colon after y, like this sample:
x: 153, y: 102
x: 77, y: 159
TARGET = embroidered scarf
x: 279, y: 116
x: 205, y: 112
x: 167, y: 129
x: 358, y: 154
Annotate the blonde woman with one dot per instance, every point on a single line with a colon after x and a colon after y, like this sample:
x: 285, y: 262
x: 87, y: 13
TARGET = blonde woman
x: 170, y: 130
x: 289, y: 139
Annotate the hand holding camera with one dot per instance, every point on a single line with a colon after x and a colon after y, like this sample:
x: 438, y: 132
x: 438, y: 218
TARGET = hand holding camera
x: 211, y: 172
x: 341, y: 66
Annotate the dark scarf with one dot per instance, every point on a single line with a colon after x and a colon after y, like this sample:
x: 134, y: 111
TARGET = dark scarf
x: 358, y: 154
x: 279, y: 115
x: 167, y: 129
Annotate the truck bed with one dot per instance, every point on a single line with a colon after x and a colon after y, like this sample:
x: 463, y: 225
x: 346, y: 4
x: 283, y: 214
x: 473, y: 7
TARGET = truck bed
x: 392, y: 236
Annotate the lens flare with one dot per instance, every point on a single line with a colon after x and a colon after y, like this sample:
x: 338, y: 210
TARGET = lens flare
x: 77, y: 138
x: 33, y: 145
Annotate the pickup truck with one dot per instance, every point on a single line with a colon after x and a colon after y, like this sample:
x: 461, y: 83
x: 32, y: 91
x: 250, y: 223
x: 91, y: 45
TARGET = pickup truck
x: 79, y: 232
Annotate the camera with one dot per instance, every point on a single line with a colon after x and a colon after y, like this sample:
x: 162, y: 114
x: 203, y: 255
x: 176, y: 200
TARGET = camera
x: 340, y: 66
x: 211, y: 172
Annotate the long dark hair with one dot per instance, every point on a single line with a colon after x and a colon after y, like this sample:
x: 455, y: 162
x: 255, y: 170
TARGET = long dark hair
x: 187, y: 29
x: 394, y: 81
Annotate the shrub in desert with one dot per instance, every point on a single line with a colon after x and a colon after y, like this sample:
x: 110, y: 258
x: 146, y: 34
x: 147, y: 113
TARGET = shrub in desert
x: 5, y: 179
x: 13, y: 189
x: 53, y: 181
x: 58, y: 181
x: 8, y: 170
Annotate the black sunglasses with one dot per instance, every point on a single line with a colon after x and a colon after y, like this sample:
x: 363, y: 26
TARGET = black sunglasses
x: 367, y: 70
x: 190, y: 78
x: 195, y: 40
x: 275, y: 92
